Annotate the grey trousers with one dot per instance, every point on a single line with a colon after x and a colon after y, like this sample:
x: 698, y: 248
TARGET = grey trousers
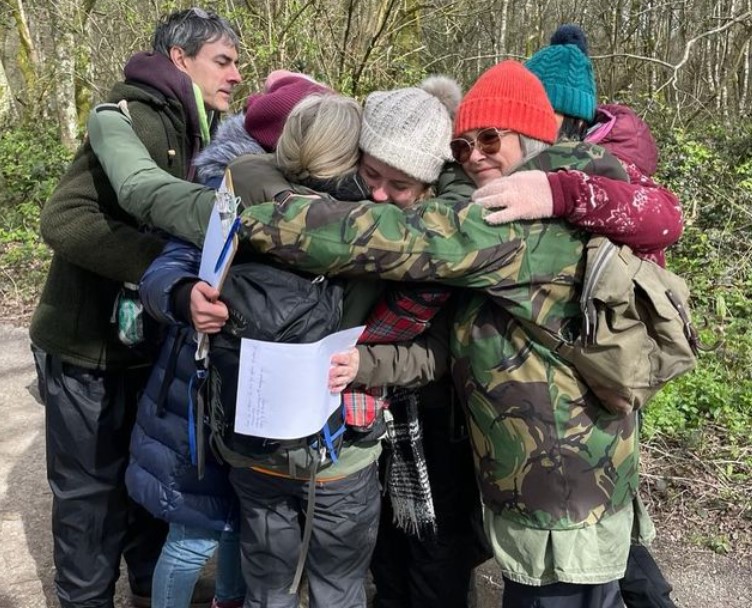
x: 345, y: 524
x: 89, y: 418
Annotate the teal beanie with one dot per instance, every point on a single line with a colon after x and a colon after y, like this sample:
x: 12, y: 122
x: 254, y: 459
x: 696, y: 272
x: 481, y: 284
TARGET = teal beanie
x: 566, y: 72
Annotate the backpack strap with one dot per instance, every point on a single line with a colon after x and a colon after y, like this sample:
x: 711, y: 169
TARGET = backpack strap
x: 547, y: 338
x: 318, y: 456
x: 196, y: 441
x: 331, y: 440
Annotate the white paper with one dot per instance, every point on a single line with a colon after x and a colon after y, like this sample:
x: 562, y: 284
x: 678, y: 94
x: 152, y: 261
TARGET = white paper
x: 213, y: 242
x: 283, y: 388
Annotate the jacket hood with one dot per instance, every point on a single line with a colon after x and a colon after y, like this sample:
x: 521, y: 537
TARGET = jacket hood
x: 625, y: 135
x: 230, y: 141
x: 155, y: 71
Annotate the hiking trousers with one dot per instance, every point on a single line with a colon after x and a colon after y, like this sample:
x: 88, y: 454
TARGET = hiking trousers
x: 644, y: 585
x: 561, y: 595
x: 272, y: 518
x: 89, y: 415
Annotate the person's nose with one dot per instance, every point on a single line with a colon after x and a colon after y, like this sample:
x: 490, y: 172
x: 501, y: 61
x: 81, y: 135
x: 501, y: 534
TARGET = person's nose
x: 476, y: 155
x: 379, y: 194
x: 234, y: 77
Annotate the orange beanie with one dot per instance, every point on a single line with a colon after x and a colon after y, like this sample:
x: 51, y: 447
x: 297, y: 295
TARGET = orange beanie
x: 508, y: 96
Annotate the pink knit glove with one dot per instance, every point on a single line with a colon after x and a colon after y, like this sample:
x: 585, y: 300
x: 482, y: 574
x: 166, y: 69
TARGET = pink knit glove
x: 525, y: 195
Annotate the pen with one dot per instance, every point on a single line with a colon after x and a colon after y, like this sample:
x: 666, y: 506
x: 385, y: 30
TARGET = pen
x: 228, y: 242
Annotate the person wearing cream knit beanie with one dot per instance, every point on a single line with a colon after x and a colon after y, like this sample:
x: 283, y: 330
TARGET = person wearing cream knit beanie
x: 405, y: 137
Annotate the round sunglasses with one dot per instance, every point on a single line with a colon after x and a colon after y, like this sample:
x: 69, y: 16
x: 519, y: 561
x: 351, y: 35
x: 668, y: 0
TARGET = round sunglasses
x: 488, y: 141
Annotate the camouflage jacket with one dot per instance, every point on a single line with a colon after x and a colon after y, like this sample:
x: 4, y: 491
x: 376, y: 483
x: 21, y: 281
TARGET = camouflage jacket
x: 548, y: 455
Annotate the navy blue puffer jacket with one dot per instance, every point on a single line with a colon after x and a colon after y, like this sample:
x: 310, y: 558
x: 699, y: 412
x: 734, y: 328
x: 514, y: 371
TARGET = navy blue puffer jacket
x: 160, y: 475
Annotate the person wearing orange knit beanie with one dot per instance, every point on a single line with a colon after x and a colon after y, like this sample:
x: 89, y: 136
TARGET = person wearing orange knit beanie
x: 503, y: 119
x: 641, y: 214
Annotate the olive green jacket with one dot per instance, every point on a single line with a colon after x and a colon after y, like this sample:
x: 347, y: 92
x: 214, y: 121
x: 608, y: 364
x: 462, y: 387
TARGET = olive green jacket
x: 97, y: 245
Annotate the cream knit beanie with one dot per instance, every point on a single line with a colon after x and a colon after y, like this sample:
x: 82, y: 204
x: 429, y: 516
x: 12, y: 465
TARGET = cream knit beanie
x: 410, y: 129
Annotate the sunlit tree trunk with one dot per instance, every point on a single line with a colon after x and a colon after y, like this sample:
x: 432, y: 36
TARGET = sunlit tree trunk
x: 744, y: 80
x: 7, y: 107
x: 65, y: 15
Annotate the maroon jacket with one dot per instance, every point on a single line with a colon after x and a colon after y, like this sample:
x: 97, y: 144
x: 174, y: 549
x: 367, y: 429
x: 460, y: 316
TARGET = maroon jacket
x: 641, y: 214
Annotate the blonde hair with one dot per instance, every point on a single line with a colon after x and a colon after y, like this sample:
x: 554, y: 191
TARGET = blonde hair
x: 320, y: 138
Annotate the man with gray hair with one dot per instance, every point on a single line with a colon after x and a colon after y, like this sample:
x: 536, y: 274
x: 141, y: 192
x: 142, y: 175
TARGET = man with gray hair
x: 89, y: 378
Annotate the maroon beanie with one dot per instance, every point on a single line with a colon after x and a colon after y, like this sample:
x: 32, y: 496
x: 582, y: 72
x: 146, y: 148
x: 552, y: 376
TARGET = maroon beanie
x: 266, y: 112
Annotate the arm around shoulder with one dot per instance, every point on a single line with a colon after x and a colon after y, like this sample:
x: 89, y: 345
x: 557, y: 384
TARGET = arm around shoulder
x: 143, y: 189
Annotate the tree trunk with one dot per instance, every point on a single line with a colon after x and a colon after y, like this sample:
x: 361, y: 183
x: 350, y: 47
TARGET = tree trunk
x: 7, y: 107
x: 28, y: 60
x: 66, y: 16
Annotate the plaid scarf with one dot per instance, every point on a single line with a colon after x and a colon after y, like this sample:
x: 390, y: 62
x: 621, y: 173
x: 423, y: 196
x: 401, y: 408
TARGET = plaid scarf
x: 401, y: 315
x: 406, y: 476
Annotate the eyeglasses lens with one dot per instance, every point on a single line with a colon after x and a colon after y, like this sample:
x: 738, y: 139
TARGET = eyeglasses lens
x: 487, y: 141
x: 461, y: 149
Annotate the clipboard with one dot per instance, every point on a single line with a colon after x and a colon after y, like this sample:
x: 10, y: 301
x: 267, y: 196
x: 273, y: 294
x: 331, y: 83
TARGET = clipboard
x: 227, y: 254
x: 220, y: 246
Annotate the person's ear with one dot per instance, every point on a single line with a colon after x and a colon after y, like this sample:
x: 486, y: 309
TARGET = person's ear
x: 178, y: 57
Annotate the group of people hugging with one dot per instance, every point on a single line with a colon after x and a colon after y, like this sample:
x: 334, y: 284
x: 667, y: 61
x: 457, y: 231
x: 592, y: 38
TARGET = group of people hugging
x: 455, y: 222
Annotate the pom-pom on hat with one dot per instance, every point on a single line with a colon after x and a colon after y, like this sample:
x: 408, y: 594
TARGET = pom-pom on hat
x: 266, y: 112
x: 566, y: 72
x: 507, y: 96
x: 410, y: 129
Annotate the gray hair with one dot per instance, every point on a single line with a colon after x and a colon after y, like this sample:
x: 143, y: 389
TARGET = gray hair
x: 530, y: 148
x: 191, y: 29
x: 320, y: 138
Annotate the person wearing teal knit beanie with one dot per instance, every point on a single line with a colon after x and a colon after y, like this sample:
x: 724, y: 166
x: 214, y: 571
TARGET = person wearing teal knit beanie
x: 566, y: 72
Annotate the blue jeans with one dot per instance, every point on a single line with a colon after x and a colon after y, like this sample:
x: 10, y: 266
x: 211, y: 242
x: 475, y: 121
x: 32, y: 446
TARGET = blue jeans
x: 184, y: 553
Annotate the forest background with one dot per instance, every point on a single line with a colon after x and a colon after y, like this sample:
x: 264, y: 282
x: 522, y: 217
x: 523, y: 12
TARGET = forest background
x: 684, y: 65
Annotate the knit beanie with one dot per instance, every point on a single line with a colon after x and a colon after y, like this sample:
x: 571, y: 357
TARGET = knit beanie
x: 566, y: 72
x: 410, y: 129
x: 508, y: 96
x: 266, y: 112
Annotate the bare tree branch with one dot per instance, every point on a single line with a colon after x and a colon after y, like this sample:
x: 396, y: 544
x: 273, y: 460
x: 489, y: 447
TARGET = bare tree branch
x: 672, y: 81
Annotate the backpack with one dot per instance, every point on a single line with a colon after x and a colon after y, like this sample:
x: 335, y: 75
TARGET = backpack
x: 636, y: 332
x: 276, y: 305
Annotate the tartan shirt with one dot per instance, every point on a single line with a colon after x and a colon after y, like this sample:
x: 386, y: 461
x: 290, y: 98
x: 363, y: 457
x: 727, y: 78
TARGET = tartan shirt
x: 400, y: 316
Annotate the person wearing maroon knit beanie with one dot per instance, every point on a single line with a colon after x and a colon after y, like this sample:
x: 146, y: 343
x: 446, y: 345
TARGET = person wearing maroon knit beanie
x: 266, y: 112
x: 258, y: 129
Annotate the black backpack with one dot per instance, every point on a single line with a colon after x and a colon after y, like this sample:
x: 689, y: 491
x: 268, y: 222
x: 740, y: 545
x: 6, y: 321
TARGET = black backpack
x: 275, y: 305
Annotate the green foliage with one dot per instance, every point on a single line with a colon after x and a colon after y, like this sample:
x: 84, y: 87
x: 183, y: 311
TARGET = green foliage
x: 717, y: 543
x: 31, y: 163
x: 710, y: 169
